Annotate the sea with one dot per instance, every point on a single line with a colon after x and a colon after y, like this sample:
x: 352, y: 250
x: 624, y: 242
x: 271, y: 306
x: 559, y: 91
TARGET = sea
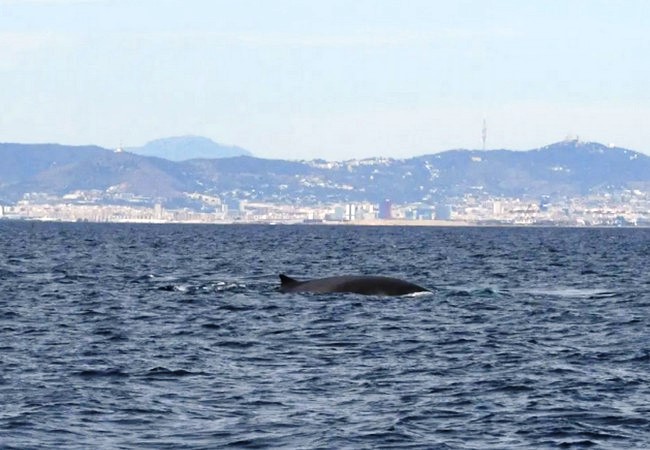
x: 170, y: 336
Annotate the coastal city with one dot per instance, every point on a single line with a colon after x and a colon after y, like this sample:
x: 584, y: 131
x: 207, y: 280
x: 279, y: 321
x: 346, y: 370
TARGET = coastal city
x: 629, y: 208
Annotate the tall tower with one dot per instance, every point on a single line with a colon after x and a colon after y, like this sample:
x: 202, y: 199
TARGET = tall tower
x: 385, y: 210
x: 484, y: 133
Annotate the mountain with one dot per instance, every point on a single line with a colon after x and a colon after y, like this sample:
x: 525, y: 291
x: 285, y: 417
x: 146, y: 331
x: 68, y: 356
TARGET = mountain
x: 563, y: 169
x: 57, y: 169
x: 181, y: 148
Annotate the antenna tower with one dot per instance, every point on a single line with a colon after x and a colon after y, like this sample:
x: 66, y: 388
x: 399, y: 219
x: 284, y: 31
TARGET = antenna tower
x: 484, y: 133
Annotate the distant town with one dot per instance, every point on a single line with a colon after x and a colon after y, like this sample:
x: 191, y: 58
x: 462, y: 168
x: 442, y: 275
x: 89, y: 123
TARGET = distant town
x: 569, y: 183
x: 629, y: 208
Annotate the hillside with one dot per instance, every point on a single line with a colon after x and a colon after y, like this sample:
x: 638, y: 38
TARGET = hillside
x: 181, y: 148
x: 563, y: 169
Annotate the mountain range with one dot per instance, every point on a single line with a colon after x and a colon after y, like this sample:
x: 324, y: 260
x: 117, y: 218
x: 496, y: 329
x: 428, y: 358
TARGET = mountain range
x: 182, y: 148
x: 564, y: 169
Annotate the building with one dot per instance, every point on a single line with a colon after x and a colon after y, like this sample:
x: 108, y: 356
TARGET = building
x: 350, y: 212
x: 443, y: 212
x: 425, y: 213
x: 385, y: 210
x: 158, y: 211
x: 235, y: 208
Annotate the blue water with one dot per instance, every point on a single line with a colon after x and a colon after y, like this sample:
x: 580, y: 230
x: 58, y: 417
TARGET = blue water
x: 175, y: 336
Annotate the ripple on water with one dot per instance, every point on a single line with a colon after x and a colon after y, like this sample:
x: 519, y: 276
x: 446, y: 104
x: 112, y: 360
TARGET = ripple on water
x: 129, y: 336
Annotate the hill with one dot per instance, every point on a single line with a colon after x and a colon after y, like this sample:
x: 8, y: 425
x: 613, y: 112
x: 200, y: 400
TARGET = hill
x: 181, y: 148
x: 563, y: 169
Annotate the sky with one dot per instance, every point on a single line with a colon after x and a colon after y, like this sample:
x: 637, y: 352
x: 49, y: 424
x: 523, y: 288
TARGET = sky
x: 332, y: 79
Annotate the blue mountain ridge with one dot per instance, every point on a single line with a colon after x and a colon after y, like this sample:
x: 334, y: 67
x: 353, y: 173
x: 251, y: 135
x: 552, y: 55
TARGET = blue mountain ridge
x: 181, y: 148
x: 563, y: 169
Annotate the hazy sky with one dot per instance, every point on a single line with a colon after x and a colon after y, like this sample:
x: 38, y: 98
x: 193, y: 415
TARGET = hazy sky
x: 329, y: 79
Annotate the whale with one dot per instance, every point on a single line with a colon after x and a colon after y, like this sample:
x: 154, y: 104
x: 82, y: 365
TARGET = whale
x: 354, y: 284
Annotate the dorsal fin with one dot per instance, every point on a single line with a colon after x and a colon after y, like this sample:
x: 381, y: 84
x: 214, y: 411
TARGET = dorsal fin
x: 287, y: 280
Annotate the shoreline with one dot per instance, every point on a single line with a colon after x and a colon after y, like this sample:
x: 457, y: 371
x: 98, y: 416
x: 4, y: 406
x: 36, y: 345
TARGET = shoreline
x: 368, y: 223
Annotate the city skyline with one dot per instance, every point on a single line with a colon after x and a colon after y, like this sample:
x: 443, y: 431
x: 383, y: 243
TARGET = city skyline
x: 328, y: 79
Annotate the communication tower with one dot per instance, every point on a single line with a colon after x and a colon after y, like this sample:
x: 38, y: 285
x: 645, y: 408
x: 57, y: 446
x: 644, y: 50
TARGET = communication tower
x: 484, y: 133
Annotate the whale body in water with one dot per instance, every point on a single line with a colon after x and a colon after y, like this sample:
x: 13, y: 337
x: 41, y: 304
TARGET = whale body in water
x: 356, y: 284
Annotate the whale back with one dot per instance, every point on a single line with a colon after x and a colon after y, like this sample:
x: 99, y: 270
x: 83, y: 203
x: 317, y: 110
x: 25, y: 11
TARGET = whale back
x: 357, y: 284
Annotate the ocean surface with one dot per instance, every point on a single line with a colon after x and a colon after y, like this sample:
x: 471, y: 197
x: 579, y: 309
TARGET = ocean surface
x: 176, y: 337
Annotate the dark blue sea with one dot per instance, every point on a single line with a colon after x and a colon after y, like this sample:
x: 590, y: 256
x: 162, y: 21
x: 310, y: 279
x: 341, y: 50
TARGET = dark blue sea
x: 124, y: 336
